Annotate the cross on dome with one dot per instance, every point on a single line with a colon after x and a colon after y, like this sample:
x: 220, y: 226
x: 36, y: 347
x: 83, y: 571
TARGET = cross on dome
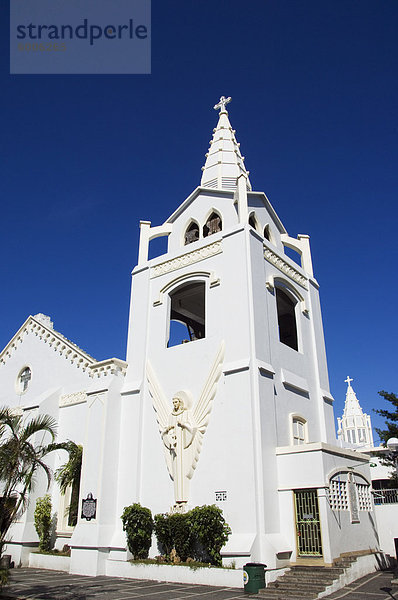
x: 222, y: 103
x: 348, y: 380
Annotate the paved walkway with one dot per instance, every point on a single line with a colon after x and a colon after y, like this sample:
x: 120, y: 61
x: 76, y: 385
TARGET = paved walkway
x: 376, y: 586
x: 39, y: 584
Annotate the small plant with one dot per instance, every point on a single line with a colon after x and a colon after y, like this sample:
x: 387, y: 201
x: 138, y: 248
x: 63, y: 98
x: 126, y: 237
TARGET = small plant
x: 175, y: 559
x: 208, y: 526
x: 138, y: 525
x: 43, y: 522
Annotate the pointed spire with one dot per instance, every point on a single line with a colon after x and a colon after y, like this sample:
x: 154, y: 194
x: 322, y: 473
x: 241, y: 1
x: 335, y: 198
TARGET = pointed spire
x: 352, y: 407
x: 355, y: 427
x: 224, y: 162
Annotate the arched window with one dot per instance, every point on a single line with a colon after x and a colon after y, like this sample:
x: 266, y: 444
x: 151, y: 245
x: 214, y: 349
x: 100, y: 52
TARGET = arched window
x: 350, y: 491
x: 299, y: 431
x: 286, y: 308
x: 23, y: 380
x: 267, y: 233
x: 187, y: 313
x: 191, y: 234
x: 213, y: 224
x: 253, y: 221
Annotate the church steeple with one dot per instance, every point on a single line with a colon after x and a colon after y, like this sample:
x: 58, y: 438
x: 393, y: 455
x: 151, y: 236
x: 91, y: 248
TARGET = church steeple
x: 224, y: 161
x: 355, y: 426
x: 352, y: 407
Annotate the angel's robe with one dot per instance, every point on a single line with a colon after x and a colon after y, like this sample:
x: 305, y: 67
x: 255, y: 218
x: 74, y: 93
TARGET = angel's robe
x: 178, y: 440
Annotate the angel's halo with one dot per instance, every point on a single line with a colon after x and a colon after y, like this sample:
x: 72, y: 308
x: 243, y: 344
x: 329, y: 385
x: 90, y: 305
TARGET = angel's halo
x: 186, y: 398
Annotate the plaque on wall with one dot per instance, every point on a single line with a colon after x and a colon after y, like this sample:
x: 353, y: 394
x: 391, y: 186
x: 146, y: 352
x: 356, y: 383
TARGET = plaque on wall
x: 89, y: 507
x: 353, y: 500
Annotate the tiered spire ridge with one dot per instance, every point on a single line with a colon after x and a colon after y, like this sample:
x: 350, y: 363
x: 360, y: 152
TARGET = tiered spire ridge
x: 224, y: 161
x: 354, y: 426
x: 351, y: 407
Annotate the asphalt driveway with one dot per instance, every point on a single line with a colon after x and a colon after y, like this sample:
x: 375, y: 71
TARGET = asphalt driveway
x: 40, y: 584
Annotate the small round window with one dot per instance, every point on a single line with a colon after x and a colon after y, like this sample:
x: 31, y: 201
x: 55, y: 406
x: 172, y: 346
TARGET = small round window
x: 23, y: 380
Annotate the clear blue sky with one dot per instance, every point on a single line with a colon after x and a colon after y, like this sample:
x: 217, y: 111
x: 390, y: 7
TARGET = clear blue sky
x: 314, y: 102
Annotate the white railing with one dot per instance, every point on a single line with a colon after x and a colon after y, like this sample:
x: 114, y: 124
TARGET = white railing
x: 389, y: 496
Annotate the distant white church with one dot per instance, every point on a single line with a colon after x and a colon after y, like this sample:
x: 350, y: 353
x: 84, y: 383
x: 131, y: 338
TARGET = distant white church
x: 355, y: 432
x: 223, y: 398
x: 354, y: 427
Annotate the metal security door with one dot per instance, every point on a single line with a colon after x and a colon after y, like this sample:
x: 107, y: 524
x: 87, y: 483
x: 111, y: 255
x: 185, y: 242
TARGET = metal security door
x: 308, y: 526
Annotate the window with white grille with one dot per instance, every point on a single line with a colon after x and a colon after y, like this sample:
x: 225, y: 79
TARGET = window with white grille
x: 338, y: 497
x: 364, y: 499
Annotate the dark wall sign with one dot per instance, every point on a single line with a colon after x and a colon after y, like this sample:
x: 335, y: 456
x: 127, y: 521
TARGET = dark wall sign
x: 89, y: 507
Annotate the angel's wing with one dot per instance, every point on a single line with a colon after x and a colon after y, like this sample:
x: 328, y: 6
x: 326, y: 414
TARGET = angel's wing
x: 202, y: 410
x: 160, y: 405
x: 203, y: 406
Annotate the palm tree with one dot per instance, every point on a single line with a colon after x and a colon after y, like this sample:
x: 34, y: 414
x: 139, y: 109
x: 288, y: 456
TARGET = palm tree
x: 69, y: 476
x: 20, y: 459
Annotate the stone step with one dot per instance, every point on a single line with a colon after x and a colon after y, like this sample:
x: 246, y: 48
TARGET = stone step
x: 302, y: 582
x: 298, y: 585
x: 303, y: 569
x: 309, y: 577
x: 334, y: 571
x: 344, y: 563
x: 278, y: 592
x: 284, y: 595
x: 302, y: 586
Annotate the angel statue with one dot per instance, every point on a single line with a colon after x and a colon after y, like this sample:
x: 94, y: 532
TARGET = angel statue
x: 182, y: 429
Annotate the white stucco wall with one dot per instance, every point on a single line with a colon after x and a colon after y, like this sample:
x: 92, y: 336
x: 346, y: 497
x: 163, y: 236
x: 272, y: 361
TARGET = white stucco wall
x: 387, y: 525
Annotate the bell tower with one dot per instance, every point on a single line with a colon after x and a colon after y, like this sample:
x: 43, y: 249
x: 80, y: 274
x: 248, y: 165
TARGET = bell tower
x: 226, y: 394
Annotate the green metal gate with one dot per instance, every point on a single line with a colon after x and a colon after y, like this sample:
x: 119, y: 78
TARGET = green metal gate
x: 308, y: 526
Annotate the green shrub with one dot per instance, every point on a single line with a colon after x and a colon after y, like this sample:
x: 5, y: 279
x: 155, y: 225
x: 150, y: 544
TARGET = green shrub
x: 199, y: 534
x: 208, y: 526
x: 43, y: 522
x: 163, y: 533
x: 138, y: 525
x: 173, y: 531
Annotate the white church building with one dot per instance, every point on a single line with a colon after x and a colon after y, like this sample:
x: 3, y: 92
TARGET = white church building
x: 223, y: 397
x: 354, y: 427
x: 355, y: 431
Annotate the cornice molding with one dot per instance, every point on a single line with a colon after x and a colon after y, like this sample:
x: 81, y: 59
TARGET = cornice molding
x: 65, y: 348
x: 285, y: 268
x: 187, y: 259
x: 111, y: 366
x: 51, y: 337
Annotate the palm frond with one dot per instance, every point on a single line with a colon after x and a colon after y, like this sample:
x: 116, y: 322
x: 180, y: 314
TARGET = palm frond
x: 20, y: 460
x: 39, y: 424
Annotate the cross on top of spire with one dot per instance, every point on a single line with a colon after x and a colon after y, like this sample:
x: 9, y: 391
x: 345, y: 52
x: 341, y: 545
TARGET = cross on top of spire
x: 348, y: 380
x: 222, y: 103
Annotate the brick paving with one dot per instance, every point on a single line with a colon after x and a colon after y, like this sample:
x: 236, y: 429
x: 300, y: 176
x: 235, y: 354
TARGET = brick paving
x: 40, y: 584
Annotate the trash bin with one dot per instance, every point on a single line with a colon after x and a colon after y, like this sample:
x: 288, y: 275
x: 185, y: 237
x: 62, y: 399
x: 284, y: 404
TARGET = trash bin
x: 5, y: 561
x: 253, y: 577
